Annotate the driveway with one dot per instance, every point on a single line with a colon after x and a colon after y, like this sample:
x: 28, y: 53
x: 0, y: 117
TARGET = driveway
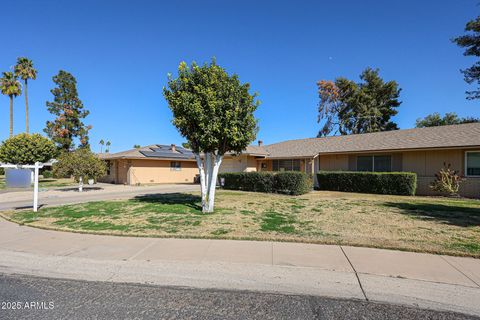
x: 101, y: 191
x: 387, y: 276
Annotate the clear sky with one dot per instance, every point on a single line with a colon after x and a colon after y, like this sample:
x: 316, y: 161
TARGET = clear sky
x: 121, y: 51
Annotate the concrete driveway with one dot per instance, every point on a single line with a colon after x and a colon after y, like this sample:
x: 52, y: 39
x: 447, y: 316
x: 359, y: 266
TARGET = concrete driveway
x: 101, y: 191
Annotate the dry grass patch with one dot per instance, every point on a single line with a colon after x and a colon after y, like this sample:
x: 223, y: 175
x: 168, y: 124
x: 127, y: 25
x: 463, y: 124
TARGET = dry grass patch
x: 424, y: 224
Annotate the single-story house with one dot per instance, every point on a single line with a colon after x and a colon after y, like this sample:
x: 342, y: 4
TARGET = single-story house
x: 419, y: 150
x: 168, y: 164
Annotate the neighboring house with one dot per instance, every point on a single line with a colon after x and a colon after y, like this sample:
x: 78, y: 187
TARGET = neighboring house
x: 422, y: 150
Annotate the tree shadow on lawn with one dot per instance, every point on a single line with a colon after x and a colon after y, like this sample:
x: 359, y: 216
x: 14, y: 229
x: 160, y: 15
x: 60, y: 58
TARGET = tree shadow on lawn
x: 449, y: 214
x: 177, y: 198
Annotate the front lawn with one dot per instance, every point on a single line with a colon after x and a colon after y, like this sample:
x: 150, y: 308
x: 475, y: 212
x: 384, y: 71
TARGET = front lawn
x: 424, y: 224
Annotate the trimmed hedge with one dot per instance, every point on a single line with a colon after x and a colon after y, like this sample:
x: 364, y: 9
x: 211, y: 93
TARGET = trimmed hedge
x: 291, y: 182
x: 396, y: 183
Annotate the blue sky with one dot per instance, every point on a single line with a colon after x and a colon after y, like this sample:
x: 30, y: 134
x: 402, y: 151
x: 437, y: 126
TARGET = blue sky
x: 121, y: 51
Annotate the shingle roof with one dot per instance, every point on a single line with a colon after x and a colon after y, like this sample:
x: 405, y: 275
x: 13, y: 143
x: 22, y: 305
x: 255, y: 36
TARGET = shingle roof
x: 463, y: 135
x: 453, y: 136
x: 256, y: 150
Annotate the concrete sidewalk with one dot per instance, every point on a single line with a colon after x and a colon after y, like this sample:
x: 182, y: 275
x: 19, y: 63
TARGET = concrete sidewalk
x: 98, y: 192
x: 425, y: 280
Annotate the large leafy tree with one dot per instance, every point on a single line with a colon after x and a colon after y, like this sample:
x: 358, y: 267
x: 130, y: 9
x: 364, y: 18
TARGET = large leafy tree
x: 27, y: 148
x: 347, y: 107
x: 24, y: 70
x: 69, y: 112
x: 471, y: 43
x: 11, y: 87
x: 82, y: 164
x: 214, y: 112
x: 435, y: 119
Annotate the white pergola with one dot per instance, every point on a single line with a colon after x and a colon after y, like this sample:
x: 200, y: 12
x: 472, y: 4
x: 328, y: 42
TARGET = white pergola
x: 36, y: 167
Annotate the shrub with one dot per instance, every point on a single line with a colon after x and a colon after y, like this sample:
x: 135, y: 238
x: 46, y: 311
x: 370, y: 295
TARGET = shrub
x: 27, y: 149
x: 47, y: 174
x: 447, y: 181
x: 2, y: 172
x: 80, y: 163
x: 397, y: 183
x: 293, y: 183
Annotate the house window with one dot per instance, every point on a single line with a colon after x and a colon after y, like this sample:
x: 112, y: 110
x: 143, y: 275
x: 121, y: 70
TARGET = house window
x: 374, y: 163
x: 286, y: 165
x: 364, y: 163
x: 472, y: 163
x: 175, y: 166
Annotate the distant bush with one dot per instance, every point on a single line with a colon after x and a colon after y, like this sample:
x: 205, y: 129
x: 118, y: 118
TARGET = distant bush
x: 293, y: 182
x: 27, y: 149
x: 397, y: 183
x: 47, y: 174
x: 2, y: 172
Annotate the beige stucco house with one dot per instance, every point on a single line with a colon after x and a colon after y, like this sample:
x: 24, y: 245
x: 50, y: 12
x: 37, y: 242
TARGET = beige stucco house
x: 423, y: 151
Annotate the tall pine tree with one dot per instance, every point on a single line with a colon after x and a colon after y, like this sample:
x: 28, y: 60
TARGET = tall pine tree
x: 471, y: 42
x: 69, y: 112
x: 347, y: 107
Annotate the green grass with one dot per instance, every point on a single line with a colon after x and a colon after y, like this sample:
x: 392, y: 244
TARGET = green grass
x: 438, y: 225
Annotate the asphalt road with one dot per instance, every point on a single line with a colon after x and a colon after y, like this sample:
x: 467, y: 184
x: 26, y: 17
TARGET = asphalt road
x: 42, y: 298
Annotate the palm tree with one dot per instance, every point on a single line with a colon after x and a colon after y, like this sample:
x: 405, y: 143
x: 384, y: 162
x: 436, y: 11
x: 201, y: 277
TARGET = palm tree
x: 11, y: 87
x: 101, y: 145
x: 24, y: 70
x: 107, y: 147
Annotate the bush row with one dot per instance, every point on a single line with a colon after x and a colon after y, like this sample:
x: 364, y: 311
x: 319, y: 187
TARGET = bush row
x: 289, y: 182
x: 397, y: 183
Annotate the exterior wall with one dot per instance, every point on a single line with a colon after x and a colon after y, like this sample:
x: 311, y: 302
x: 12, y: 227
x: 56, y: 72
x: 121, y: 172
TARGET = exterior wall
x: 268, y: 164
x: 122, y: 169
x: 159, y: 171
x: 144, y: 171
x: 111, y: 172
x: 241, y: 163
x: 337, y: 162
x: 424, y: 163
x: 139, y: 171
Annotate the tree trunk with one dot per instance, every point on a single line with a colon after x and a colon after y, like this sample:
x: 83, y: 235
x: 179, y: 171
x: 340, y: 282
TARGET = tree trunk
x: 213, y: 183
x: 11, y: 116
x: 208, y: 168
x: 26, y: 107
x: 203, y: 185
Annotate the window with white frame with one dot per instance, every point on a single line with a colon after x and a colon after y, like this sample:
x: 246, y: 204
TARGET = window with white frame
x: 472, y: 163
x: 175, y: 166
x: 380, y: 163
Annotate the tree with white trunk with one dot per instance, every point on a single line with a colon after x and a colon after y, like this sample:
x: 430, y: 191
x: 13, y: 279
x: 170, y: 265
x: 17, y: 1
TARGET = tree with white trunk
x: 214, y: 112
